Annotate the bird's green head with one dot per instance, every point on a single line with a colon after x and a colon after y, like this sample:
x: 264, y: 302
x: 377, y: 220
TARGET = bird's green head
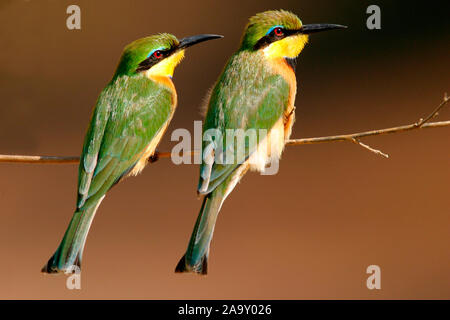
x: 156, y: 55
x: 279, y: 33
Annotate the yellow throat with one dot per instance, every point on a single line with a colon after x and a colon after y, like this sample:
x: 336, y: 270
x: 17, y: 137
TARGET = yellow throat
x: 166, y: 67
x: 289, y: 47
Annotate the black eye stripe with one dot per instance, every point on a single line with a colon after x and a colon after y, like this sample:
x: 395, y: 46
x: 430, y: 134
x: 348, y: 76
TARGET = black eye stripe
x: 152, y: 60
x: 164, y: 54
x: 272, y: 37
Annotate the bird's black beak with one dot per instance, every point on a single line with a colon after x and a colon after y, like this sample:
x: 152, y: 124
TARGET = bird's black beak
x: 313, y: 28
x: 190, y: 41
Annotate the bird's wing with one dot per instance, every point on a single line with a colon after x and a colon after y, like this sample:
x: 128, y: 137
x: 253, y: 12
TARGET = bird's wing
x: 129, y: 114
x: 243, y: 102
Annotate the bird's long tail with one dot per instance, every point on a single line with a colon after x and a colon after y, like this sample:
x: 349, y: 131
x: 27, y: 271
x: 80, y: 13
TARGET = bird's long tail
x: 196, y: 256
x: 67, y: 257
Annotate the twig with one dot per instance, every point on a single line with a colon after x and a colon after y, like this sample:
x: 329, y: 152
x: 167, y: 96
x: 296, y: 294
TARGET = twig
x: 370, y: 148
x: 434, y: 113
x: 353, y: 137
x: 38, y: 159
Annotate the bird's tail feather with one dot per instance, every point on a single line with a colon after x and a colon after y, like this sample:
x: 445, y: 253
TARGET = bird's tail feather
x: 67, y: 257
x: 196, y: 257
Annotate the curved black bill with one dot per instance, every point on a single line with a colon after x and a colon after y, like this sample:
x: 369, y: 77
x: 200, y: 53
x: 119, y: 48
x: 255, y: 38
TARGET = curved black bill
x: 190, y: 41
x: 313, y: 28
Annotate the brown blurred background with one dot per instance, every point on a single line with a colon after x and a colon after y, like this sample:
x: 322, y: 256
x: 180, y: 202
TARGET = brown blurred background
x: 308, y: 232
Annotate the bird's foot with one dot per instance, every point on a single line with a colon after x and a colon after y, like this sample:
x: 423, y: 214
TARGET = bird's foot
x: 154, y: 157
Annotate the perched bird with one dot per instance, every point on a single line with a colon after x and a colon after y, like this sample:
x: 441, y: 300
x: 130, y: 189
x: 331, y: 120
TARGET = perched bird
x: 128, y: 121
x: 256, y: 90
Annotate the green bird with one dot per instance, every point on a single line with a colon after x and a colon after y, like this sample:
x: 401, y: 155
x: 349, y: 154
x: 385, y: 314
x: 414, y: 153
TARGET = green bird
x: 130, y: 117
x: 256, y: 91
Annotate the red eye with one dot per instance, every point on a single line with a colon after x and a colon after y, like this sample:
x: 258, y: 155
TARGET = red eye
x: 278, y: 31
x: 157, y: 54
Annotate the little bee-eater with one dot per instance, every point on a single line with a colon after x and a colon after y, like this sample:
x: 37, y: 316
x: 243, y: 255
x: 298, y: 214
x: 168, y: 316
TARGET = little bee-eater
x: 256, y: 90
x: 128, y: 121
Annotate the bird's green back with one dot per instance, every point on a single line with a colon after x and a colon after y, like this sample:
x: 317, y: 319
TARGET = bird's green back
x: 129, y: 113
x: 248, y: 95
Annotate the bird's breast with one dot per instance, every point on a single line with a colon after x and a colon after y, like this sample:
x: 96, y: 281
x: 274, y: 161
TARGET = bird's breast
x: 168, y: 83
x: 151, y: 147
x: 281, y: 67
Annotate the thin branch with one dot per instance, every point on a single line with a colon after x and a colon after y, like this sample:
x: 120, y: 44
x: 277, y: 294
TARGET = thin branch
x: 434, y: 113
x: 349, y: 137
x: 353, y: 137
x: 38, y: 159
